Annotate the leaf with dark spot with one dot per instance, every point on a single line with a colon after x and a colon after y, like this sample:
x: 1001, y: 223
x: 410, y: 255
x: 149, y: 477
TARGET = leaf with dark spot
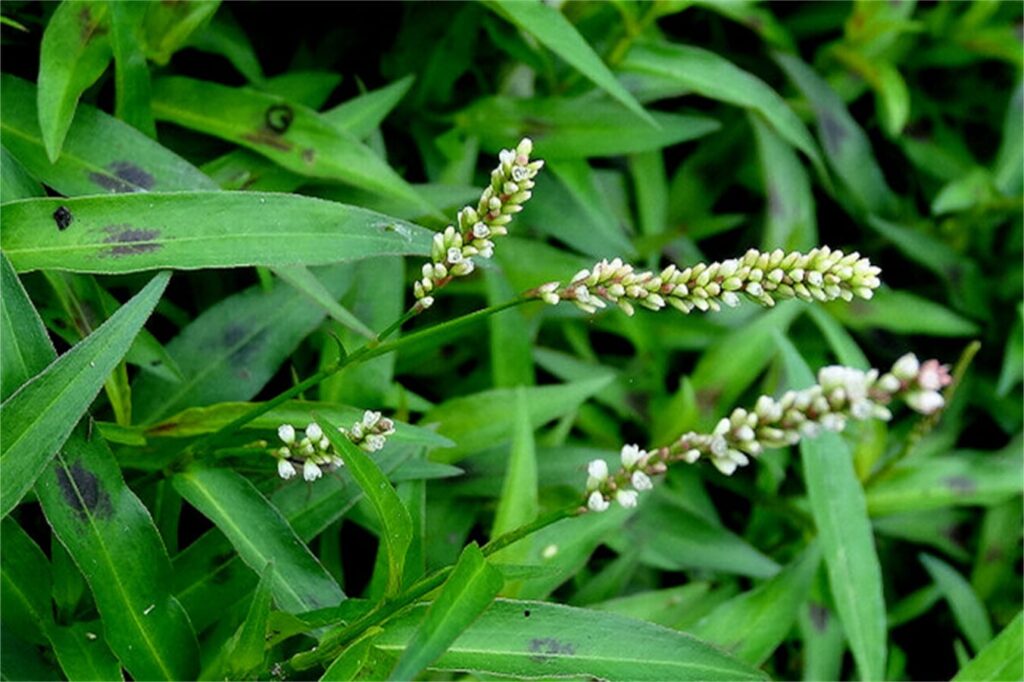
x: 82, y: 491
x: 62, y: 216
x: 819, y: 616
x: 130, y: 241
x: 963, y: 485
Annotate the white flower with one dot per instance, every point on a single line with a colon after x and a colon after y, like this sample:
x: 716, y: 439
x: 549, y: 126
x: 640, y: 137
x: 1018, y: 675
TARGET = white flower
x: 454, y: 255
x: 481, y: 231
x: 596, y: 502
x: 641, y: 481
x: 310, y: 471
x: 925, y: 402
x: 627, y: 498
x: 285, y: 469
x: 726, y: 466
x: 598, y: 469
x: 690, y: 456
x: 932, y: 376
x: 286, y: 432
x: 313, y: 432
x: 374, y: 442
x: 889, y: 383
x: 631, y: 454
x: 370, y: 418
x: 907, y: 367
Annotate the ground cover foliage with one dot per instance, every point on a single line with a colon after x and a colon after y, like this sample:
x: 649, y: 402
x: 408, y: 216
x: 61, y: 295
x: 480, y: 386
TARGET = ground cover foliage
x: 215, y: 220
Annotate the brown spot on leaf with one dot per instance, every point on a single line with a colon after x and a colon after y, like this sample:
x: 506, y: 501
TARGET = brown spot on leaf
x: 818, y: 615
x: 62, y: 216
x: 82, y: 491
x: 130, y: 241
x: 268, y: 138
x: 309, y: 155
x: 776, y: 205
x: 90, y: 28
x: 832, y: 131
x: 545, y: 648
x: 124, y: 177
x: 279, y: 118
x: 962, y: 485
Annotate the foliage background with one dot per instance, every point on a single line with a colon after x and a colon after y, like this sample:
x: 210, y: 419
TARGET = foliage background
x: 896, y: 132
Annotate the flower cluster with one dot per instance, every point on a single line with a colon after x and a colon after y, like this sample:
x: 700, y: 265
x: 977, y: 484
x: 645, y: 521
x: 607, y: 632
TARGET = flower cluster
x: 819, y: 275
x: 314, y: 451
x: 453, y: 250
x: 841, y: 394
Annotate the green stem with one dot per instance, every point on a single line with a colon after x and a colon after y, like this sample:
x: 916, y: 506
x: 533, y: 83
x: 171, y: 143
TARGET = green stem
x: 367, y: 351
x: 334, y: 642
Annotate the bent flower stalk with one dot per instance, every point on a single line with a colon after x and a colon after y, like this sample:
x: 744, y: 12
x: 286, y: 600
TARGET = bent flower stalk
x: 821, y: 274
x: 841, y: 394
x: 314, y: 452
x: 453, y: 250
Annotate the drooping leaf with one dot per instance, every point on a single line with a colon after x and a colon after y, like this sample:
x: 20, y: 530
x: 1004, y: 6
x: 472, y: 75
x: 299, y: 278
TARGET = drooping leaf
x: 40, y: 415
x: 190, y: 230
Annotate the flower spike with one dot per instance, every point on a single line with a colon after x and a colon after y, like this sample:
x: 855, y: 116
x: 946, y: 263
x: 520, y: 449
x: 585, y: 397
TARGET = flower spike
x: 314, y: 450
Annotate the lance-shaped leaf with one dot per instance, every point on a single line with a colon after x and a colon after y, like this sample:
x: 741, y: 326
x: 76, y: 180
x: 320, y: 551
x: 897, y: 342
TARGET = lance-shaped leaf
x: 260, y: 535
x: 112, y: 538
x: 293, y: 136
x: 1002, y: 659
x: 40, y: 415
x: 848, y: 546
x: 25, y: 584
x: 25, y: 349
x: 396, y: 524
x: 528, y: 639
x: 191, y: 230
x: 75, y: 52
x: 469, y: 590
x: 552, y: 30
x: 100, y: 155
x: 83, y: 652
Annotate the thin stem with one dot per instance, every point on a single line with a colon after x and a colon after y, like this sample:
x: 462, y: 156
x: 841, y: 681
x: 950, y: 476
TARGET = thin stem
x: 367, y: 351
x: 333, y: 642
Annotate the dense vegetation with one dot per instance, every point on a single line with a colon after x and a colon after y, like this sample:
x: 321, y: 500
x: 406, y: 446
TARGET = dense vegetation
x: 248, y: 433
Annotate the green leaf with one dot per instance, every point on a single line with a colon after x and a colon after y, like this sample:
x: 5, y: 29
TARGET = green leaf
x: 840, y: 514
x: 534, y: 639
x: 74, y: 53
x: 902, y: 312
x: 83, y: 653
x: 467, y: 592
x: 25, y: 348
x: 552, y: 30
x: 510, y: 336
x: 396, y: 531
x: 752, y: 625
x: 225, y: 37
x: 518, y: 504
x: 968, y: 610
x: 559, y: 132
x: 715, y: 77
x: 40, y: 415
x: 306, y: 282
x: 1002, y: 659
x: 483, y: 420
x: 351, y: 661
x: 248, y: 646
x: 131, y: 72
x: 101, y: 154
x: 15, y: 181
x: 190, y: 230
x: 958, y: 479
x: 790, y: 222
x: 232, y: 349
x: 847, y: 148
x: 25, y: 584
x: 111, y: 537
x: 291, y: 135
x: 260, y: 535
x: 170, y: 25
x: 673, y: 607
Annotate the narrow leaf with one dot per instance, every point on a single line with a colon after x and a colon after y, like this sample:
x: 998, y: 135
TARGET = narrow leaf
x: 396, y: 531
x: 467, y: 592
x: 111, y: 537
x: 25, y: 584
x: 968, y: 610
x: 260, y: 535
x: 528, y: 639
x: 131, y: 72
x: 552, y: 30
x: 74, y: 53
x: 191, y: 230
x: 25, y: 349
x: 306, y: 282
x: 840, y: 514
x: 83, y: 652
x: 40, y: 415
x: 290, y: 134
x: 100, y: 154
x: 1002, y: 659
x: 250, y: 642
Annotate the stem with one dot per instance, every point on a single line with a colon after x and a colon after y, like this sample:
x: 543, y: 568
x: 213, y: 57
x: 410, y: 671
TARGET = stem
x: 334, y: 642
x: 367, y: 351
